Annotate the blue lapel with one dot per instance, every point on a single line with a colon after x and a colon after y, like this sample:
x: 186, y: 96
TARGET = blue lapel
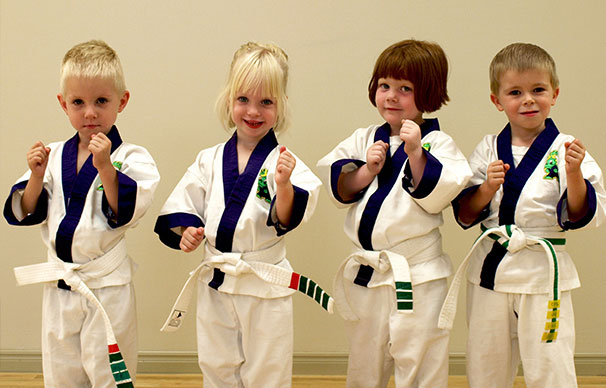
x: 517, y: 177
x: 75, y: 189
x: 386, y: 179
x: 237, y: 187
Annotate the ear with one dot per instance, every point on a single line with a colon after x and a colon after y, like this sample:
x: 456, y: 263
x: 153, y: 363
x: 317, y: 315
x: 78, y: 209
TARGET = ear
x: 495, y: 101
x: 62, y: 102
x: 124, y: 100
x: 556, y: 93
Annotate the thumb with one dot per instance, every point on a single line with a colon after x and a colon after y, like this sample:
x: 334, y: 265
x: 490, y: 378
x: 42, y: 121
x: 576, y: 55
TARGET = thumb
x: 282, y: 149
x: 200, y: 231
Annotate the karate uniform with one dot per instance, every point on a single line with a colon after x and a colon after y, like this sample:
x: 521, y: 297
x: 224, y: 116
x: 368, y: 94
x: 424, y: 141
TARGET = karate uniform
x: 78, y: 226
x: 397, y: 247
x: 510, y: 289
x: 244, y: 325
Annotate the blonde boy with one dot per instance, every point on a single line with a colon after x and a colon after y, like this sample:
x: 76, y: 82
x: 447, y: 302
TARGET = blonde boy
x: 531, y: 183
x: 85, y: 193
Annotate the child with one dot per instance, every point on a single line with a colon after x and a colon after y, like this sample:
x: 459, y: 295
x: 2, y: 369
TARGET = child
x: 85, y: 193
x: 240, y: 198
x: 530, y: 183
x: 396, y: 179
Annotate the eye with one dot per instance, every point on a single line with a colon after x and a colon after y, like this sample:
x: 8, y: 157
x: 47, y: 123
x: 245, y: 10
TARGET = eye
x: 539, y: 89
x: 406, y: 89
x: 384, y: 86
x: 77, y: 101
x: 242, y: 99
x: 514, y: 92
x: 267, y: 101
x: 102, y: 100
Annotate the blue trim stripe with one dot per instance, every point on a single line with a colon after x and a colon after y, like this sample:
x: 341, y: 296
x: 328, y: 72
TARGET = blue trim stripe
x: 37, y: 217
x: 166, y: 222
x: 240, y: 188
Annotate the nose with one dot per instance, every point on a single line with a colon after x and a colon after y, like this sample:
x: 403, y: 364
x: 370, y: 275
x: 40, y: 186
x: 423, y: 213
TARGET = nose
x: 253, y: 110
x: 528, y: 99
x: 90, y: 112
x: 392, y: 95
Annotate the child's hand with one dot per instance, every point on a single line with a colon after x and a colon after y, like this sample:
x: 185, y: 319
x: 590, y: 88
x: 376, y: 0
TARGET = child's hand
x: 375, y: 156
x: 191, y: 238
x: 285, y: 166
x: 100, y: 146
x: 37, y: 159
x: 495, y: 175
x: 410, y: 133
x: 575, y: 153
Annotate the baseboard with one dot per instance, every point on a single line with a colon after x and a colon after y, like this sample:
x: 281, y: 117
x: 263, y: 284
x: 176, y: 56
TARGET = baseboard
x: 24, y: 361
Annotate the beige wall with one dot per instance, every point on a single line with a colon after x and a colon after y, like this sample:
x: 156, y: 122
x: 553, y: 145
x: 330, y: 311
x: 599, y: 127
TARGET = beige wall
x: 176, y: 55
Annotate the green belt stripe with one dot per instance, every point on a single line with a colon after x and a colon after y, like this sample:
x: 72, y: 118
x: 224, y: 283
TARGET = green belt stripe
x: 121, y: 376
x: 406, y: 295
x: 303, y: 284
x: 118, y: 366
x: 404, y: 305
x: 311, y: 289
x: 115, y: 357
x: 553, y: 241
x: 325, y: 299
x: 318, y: 296
x: 127, y: 384
x: 403, y: 286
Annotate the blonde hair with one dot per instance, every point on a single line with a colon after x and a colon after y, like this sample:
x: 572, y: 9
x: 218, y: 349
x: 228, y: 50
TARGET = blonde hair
x: 92, y: 59
x: 521, y: 57
x: 256, y: 65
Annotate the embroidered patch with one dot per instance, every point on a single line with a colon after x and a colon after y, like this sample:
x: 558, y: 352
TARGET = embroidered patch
x: 551, y: 166
x: 262, y: 190
x: 427, y: 147
x: 118, y: 166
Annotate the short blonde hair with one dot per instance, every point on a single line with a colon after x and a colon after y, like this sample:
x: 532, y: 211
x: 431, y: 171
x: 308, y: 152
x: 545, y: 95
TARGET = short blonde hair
x: 420, y: 62
x: 256, y: 65
x: 92, y: 59
x: 521, y: 57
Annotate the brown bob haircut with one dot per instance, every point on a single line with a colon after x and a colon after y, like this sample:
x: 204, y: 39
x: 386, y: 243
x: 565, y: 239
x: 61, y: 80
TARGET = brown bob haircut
x: 420, y: 62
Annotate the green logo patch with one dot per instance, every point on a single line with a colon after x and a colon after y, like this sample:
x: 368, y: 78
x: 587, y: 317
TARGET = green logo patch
x: 262, y: 190
x: 427, y: 147
x: 118, y: 166
x: 551, y: 166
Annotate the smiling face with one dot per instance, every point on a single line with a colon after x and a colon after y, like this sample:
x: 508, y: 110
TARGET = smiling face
x: 395, y: 101
x: 254, y: 114
x: 92, y: 104
x: 526, y: 97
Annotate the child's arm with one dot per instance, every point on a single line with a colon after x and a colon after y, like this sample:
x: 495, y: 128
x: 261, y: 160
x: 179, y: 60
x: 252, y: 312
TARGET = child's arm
x: 191, y: 238
x: 100, y: 147
x: 355, y: 181
x: 472, y: 204
x: 577, y: 190
x: 285, y: 192
x: 410, y: 133
x: 37, y: 160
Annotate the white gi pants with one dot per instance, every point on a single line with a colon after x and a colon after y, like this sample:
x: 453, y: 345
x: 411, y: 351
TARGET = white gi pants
x: 244, y: 341
x: 505, y: 328
x: 74, y: 344
x: 383, y: 338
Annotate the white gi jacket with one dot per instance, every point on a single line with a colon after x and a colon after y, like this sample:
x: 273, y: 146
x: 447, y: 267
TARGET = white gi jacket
x: 236, y: 210
x: 77, y: 224
x: 533, y: 198
x: 389, y: 212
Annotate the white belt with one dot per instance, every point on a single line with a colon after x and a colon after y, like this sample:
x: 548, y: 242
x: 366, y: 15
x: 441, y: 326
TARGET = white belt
x: 513, y: 239
x: 75, y: 275
x: 398, y: 258
x: 259, y: 263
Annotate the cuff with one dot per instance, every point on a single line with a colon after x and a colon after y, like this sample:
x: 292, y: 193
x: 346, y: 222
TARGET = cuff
x: 165, y: 224
x: 298, y: 211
